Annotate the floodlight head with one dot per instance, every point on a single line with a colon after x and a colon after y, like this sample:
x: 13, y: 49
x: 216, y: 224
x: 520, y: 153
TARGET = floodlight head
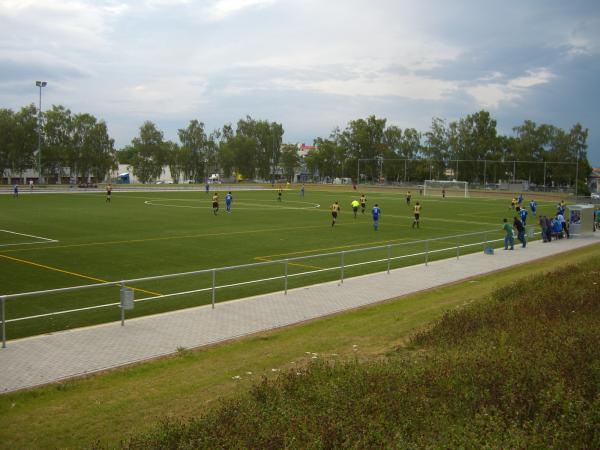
x: 41, y: 83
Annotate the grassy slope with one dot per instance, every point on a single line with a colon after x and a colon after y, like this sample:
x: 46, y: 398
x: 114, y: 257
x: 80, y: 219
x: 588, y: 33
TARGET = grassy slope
x: 128, y: 401
x: 129, y: 238
x: 519, y: 371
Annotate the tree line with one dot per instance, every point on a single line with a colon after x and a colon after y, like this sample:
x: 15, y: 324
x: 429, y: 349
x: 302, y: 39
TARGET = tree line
x: 78, y: 142
x: 469, y: 149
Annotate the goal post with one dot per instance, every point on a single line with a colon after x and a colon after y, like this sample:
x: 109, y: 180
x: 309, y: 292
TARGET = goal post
x: 440, y: 188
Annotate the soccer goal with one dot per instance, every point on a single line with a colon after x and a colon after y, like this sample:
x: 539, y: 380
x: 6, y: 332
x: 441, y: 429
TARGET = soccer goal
x: 441, y: 188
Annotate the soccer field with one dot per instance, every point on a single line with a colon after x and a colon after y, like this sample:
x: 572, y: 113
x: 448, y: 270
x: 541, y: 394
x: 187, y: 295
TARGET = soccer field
x: 58, y: 240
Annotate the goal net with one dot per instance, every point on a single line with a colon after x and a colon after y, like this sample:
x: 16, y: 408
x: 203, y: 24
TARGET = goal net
x: 440, y: 188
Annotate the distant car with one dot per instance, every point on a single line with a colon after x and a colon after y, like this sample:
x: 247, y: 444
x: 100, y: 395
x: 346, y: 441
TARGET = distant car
x: 595, y: 195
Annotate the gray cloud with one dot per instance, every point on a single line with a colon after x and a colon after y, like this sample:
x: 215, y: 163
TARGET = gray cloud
x: 308, y: 64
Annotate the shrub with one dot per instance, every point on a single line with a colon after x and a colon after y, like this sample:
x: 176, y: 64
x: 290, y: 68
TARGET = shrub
x: 520, y: 370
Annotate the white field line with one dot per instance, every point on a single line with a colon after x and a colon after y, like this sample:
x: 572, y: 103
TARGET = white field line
x: 27, y: 235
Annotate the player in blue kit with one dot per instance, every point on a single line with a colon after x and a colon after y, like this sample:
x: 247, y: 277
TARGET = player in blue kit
x: 228, y: 200
x: 523, y: 213
x: 533, y: 206
x: 376, y: 211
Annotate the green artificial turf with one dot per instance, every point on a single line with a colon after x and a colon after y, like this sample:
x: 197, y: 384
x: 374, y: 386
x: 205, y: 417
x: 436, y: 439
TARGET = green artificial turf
x: 143, y: 234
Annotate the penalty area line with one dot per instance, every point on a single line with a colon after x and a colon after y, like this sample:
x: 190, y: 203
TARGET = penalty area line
x: 40, y: 240
x: 30, y: 235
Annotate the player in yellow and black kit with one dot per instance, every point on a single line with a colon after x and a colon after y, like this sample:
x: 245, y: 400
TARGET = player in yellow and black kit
x: 408, y: 195
x: 215, y: 203
x: 363, y: 202
x: 417, y: 212
x: 335, y: 209
x: 108, y: 192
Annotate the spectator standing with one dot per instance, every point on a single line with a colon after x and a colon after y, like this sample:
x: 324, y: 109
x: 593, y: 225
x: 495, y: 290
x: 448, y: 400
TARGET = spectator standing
x: 544, y: 227
x: 556, y: 228
x: 518, y: 225
x: 508, y: 238
x: 563, y: 224
x: 548, y: 228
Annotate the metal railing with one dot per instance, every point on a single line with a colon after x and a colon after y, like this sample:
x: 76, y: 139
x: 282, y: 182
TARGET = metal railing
x: 342, y: 266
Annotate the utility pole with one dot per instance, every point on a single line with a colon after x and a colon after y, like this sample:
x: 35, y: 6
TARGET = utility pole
x: 40, y: 84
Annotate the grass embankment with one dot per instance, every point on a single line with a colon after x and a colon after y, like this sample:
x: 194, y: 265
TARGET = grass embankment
x: 112, y: 406
x: 519, y: 371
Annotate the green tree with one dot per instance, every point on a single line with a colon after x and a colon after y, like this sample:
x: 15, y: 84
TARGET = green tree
x: 290, y: 160
x: 176, y: 158
x: 243, y: 151
x: 58, y: 150
x: 268, y: 138
x: 7, y: 131
x: 365, y: 139
x: 126, y: 155
x: 150, y: 153
x: 195, y: 151
x: 102, y: 152
x: 24, y: 140
x: 475, y: 140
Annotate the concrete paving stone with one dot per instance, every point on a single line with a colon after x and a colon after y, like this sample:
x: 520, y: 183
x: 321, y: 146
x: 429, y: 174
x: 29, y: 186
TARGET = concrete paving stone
x: 53, y: 357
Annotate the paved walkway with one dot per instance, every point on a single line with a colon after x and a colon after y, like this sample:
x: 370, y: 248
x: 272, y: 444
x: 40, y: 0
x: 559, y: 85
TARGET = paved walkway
x: 44, y: 359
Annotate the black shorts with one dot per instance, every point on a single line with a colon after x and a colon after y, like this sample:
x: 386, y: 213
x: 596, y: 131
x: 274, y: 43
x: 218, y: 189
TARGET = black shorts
x: 334, y: 214
x: 417, y: 217
x: 363, y: 205
x: 215, y: 204
x: 355, y: 208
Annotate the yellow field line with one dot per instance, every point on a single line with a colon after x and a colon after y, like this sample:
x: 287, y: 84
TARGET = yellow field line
x: 133, y: 241
x: 336, y: 248
x: 55, y: 269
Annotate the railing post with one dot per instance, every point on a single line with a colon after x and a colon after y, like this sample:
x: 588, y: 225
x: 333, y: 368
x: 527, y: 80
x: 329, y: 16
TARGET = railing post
x: 3, y: 323
x: 486, y: 240
x: 457, y: 248
x: 426, y: 251
x: 342, y: 269
x: 389, y: 252
x: 214, y: 272
x: 286, y: 276
x: 122, y: 307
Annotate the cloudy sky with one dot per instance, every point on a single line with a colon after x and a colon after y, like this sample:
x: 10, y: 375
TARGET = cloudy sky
x: 310, y: 65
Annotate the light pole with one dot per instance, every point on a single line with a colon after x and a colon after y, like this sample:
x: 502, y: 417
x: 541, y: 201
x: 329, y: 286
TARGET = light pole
x: 40, y: 84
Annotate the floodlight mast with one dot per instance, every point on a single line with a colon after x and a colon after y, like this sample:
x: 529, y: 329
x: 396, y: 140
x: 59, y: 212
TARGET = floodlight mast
x: 40, y: 84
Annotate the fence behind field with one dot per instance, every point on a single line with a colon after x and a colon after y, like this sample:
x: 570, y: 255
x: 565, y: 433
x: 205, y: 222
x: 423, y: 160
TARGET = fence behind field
x: 344, y: 263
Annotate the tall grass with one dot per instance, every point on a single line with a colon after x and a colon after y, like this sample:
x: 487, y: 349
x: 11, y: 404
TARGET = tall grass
x: 520, y: 370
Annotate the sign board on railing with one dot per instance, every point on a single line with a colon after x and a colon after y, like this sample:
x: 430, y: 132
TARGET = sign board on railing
x: 127, y: 302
